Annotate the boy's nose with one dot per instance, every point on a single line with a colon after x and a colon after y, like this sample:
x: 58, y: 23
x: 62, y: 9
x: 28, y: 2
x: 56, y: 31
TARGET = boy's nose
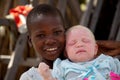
x: 50, y: 41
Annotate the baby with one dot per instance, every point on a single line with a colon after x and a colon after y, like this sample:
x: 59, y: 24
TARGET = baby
x: 83, y: 62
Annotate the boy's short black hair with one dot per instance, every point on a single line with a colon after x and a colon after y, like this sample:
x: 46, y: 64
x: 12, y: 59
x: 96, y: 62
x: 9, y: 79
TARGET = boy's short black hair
x: 44, y: 9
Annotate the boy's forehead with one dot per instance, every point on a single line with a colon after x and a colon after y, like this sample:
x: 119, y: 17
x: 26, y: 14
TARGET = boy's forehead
x: 51, y: 22
x: 46, y: 18
x: 39, y: 17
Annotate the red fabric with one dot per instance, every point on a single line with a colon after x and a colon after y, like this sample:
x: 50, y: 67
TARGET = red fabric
x: 85, y: 78
x: 114, y: 76
x: 24, y: 10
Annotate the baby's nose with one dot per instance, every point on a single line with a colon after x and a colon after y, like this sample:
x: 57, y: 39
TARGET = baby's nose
x: 79, y: 44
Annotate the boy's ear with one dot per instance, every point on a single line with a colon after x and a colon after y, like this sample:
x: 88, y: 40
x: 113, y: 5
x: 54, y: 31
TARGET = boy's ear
x: 29, y: 40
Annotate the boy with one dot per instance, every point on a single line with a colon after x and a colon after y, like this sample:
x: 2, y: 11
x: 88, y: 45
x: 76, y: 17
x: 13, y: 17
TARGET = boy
x: 46, y: 33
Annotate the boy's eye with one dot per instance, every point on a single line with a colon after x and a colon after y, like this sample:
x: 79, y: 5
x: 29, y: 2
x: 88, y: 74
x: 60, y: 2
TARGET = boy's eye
x: 41, y: 35
x: 58, y: 32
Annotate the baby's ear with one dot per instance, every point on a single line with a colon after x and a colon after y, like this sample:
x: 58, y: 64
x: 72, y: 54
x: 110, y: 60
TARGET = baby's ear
x: 29, y: 40
x: 96, y: 49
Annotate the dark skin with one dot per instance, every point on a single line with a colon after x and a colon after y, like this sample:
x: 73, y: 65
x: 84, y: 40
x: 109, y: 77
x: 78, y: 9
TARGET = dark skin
x: 109, y: 47
x: 47, y: 37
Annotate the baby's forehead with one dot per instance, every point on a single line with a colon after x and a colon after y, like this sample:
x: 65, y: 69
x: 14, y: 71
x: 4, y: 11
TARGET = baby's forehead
x: 79, y: 30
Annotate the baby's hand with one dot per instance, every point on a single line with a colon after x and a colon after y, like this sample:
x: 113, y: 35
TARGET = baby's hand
x: 44, y: 71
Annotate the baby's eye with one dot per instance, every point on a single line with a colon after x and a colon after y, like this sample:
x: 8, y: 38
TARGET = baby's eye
x: 58, y: 32
x: 86, y: 40
x: 72, y: 43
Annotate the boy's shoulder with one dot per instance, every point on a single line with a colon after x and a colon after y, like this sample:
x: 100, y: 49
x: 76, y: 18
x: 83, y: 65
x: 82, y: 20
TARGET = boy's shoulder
x: 31, y: 74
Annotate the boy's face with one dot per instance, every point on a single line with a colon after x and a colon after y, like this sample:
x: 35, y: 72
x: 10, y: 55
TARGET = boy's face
x: 80, y: 45
x: 47, y: 36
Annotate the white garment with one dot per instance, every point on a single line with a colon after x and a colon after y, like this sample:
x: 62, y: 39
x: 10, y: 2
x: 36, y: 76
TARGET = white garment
x: 31, y: 74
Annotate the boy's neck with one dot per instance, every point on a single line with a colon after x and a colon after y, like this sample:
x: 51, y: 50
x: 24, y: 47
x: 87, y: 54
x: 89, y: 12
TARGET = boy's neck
x: 48, y: 62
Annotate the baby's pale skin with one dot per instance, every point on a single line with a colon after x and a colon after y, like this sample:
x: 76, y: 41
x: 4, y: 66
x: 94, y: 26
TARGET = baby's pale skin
x: 80, y: 44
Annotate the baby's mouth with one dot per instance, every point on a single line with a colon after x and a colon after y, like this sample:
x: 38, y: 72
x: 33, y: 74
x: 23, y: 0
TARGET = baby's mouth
x: 80, y: 51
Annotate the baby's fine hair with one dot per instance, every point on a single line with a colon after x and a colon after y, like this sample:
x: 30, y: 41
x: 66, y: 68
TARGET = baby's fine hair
x: 78, y: 27
x: 45, y: 10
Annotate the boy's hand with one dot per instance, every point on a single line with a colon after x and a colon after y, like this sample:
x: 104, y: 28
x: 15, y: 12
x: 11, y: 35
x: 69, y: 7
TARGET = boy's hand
x: 108, y: 47
x: 44, y: 71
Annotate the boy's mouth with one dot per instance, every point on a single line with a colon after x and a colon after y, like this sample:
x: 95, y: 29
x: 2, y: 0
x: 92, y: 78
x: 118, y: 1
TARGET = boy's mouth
x: 51, y: 49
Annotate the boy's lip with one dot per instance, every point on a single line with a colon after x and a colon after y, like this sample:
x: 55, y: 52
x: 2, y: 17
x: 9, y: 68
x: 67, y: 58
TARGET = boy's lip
x: 51, y: 49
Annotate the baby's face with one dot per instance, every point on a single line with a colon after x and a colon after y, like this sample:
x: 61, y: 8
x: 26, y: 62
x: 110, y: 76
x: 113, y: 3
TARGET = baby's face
x: 47, y: 36
x: 80, y: 45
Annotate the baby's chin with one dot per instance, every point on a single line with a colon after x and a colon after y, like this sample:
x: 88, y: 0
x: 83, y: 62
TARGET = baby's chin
x: 83, y: 60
